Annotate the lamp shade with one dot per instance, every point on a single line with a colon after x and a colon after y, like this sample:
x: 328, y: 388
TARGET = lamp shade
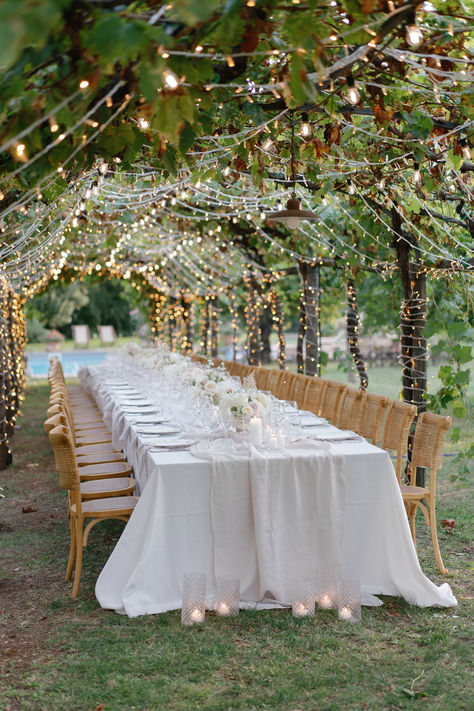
x: 293, y: 214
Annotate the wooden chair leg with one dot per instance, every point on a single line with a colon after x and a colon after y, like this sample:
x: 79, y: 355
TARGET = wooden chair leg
x: 434, y: 540
x: 79, y: 546
x: 72, y: 548
x: 412, y: 522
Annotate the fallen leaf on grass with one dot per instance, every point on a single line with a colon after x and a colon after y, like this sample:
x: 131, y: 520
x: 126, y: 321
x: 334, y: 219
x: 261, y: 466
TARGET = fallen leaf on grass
x: 448, y: 524
x: 29, y: 509
x: 99, y: 707
x: 33, y: 464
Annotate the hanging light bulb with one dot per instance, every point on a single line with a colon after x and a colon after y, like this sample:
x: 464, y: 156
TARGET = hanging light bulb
x: 53, y: 125
x: 417, y: 175
x: 170, y: 79
x: 413, y: 32
x: 353, y: 95
x: 305, y: 126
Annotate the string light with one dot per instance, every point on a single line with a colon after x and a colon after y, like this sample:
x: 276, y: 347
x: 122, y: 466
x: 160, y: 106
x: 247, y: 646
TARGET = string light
x: 170, y: 79
x: 83, y: 84
x: 414, y: 34
x: 353, y: 94
x: 305, y: 126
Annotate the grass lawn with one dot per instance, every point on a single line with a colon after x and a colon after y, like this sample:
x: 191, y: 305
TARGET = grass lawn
x: 57, y: 653
x: 94, y: 344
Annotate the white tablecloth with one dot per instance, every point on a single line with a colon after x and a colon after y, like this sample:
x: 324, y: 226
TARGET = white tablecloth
x: 266, y: 530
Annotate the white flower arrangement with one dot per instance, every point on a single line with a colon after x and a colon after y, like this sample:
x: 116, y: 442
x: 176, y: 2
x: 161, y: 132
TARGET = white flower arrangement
x: 244, y: 404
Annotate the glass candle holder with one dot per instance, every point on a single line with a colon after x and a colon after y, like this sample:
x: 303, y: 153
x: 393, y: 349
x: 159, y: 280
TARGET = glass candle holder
x: 328, y: 588
x: 227, y: 597
x: 303, y: 598
x: 348, y: 601
x: 193, y: 610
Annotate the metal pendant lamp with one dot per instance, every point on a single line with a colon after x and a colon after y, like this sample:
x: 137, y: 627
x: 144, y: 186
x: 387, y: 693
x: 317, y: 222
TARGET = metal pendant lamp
x: 292, y: 216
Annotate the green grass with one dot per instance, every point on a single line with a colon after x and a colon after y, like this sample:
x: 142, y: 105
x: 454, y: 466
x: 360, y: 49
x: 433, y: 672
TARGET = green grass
x: 94, y: 344
x: 63, y: 654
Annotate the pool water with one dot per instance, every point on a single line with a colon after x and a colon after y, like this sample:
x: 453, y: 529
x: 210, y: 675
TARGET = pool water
x: 37, y: 364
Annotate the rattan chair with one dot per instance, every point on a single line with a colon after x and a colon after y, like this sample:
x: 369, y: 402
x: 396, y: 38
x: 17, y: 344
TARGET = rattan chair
x: 372, y: 417
x: 396, y: 430
x: 261, y: 377
x: 314, y: 394
x: 273, y: 380
x: 85, y: 459
x: 93, y: 511
x: 352, y: 404
x: 427, y: 452
x: 297, y: 388
x: 331, y: 403
x: 284, y: 385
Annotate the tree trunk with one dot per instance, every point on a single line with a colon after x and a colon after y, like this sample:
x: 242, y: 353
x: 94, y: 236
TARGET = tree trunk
x: 253, y: 329
x: 313, y: 324
x: 352, y: 329
x: 302, y: 321
x: 278, y: 320
x: 205, y: 326
x: 266, y: 323
x: 187, y: 310
x: 214, y: 326
x: 412, y: 322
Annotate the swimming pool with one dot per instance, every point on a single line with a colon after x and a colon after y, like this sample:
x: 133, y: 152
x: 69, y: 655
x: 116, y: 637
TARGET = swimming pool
x: 37, y: 364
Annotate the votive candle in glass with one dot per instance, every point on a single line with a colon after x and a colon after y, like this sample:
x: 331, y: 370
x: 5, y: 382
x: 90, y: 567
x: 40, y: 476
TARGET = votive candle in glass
x: 193, y: 610
x: 227, y: 596
x: 348, y: 601
x: 328, y: 587
x: 303, y: 598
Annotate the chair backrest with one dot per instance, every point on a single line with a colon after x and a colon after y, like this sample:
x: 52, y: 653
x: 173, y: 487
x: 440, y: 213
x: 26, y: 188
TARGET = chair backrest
x: 428, y: 444
x: 61, y: 400
x: 65, y: 458
x: 351, y: 407
x: 297, y: 388
x: 107, y: 334
x: 58, y: 418
x: 331, y: 403
x: 273, y: 380
x: 283, y: 386
x: 233, y: 367
x: 396, y: 430
x: 81, y: 335
x: 314, y: 394
x: 261, y: 377
x: 372, y: 417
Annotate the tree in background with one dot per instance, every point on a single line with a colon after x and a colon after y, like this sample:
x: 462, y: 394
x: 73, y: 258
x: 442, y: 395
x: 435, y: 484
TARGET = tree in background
x: 91, y: 301
x: 55, y: 307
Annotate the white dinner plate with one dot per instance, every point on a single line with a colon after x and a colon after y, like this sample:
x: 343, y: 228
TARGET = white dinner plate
x: 312, y: 421
x: 136, y: 411
x: 158, y: 430
x: 172, y: 442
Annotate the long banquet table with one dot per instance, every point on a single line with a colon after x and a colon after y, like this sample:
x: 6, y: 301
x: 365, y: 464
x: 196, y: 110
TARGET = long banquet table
x: 267, y: 518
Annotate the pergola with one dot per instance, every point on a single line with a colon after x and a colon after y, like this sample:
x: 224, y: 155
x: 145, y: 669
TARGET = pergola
x: 153, y: 142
